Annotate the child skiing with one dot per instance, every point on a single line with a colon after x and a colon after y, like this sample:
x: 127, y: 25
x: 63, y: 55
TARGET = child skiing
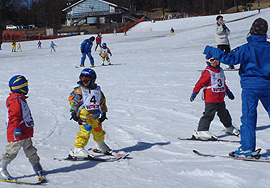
x: 19, y: 47
x: 98, y: 41
x: 88, y: 108
x: 19, y: 128
x: 39, y: 44
x: 172, y: 32
x: 213, y: 82
x: 52, y: 46
x: 14, y: 46
x: 103, y: 52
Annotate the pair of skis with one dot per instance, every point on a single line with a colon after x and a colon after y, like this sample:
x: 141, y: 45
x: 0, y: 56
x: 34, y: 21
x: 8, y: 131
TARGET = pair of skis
x: 210, y: 140
x: 113, y: 156
x: 39, y: 182
x: 256, y: 158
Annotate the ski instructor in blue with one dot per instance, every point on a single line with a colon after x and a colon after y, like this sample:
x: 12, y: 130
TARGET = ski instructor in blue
x: 86, y: 47
x: 254, y: 60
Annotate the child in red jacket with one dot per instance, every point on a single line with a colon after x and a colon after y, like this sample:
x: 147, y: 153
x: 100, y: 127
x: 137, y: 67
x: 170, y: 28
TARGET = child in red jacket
x: 98, y: 41
x: 19, y: 128
x: 213, y: 82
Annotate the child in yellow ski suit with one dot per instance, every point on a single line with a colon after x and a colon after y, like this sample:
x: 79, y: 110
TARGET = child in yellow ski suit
x: 88, y: 108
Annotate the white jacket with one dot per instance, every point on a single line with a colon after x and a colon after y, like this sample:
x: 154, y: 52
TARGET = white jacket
x: 221, y: 34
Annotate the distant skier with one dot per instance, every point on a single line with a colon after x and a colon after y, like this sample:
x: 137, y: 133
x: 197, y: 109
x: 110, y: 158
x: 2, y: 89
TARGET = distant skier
x: 125, y: 32
x: 14, y: 46
x: 214, y: 87
x: 98, y: 41
x: 52, y: 46
x: 1, y: 44
x: 104, y: 54
x: 39, y: 44
x: 172, y: 32
x: 86, y: 47
x: 19, y: 128
x: 114, y: 31
x: 19, y: 47
x: 88, y: 108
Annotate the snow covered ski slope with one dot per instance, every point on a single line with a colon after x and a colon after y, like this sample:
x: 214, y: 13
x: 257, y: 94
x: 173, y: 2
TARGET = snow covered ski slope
x: 147, y: 92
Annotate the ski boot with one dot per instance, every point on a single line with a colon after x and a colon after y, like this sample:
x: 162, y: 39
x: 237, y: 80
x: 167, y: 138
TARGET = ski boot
x: 39, y: 171
x: 246, y: 153
x: 3, y: 171
x: 79, y: 154
x: 101, y: 147
x: 203, y: 135
x: 232, y: 130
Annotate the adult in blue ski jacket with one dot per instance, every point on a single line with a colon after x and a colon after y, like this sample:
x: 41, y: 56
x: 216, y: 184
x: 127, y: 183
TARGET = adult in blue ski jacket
x: 86, y: 47
x: 254, y: 60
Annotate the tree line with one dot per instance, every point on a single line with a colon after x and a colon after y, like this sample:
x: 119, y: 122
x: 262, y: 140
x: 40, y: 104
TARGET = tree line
x: 48, y: 13
x: 42, y: 13
x: 184, y: 6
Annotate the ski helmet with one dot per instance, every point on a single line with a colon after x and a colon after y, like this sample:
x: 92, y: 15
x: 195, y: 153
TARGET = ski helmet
x: 104, y: 45
x: 18, y: 84
x: 88, y: 73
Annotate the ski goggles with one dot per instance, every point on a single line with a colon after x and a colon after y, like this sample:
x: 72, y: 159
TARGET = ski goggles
x: 85, y: 79
x: 212, y: 60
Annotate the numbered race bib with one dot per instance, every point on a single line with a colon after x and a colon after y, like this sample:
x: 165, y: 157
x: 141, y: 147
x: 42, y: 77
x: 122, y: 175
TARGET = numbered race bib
x: 104, y: 51
x: 217, y: 81
x: 27, y: 117
x: 91, y: 98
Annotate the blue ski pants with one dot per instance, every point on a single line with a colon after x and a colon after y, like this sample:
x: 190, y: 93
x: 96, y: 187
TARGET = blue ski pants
x: 90, y: 58
x: 250, y: 99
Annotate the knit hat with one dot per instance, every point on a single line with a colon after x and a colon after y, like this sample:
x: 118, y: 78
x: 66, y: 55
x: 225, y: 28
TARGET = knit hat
x: 259, y: 27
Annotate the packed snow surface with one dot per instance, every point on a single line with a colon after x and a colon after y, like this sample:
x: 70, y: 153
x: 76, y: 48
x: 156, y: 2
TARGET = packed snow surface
x: 147, y: 91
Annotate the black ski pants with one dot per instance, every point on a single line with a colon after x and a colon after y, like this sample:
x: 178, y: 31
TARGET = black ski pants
x: 209, y: 114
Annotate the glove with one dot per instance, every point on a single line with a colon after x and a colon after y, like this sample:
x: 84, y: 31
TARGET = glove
x: 82, y: 51
x: 193, y: 96
x: 74, y: 116
x: 230, y: 94
x: 88, y: 127
x: 111, y: 54
x: 17, y: 132
x: 100, y: 55
x: 103, y: 117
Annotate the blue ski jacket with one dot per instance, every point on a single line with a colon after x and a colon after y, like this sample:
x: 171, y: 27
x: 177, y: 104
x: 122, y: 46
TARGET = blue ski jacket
x: 86, y: 45
x: 254, y: 60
